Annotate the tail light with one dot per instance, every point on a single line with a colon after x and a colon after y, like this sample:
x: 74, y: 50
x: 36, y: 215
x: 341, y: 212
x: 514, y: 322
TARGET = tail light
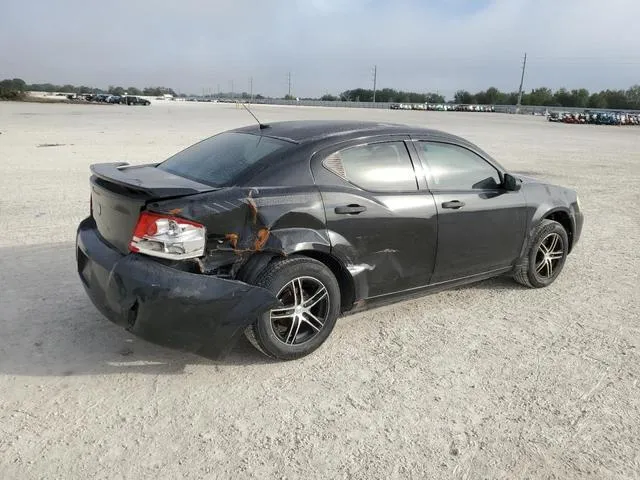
x: 169, y: 237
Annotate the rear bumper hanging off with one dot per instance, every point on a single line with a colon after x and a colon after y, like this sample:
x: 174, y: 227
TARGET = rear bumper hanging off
x: 187, y: 311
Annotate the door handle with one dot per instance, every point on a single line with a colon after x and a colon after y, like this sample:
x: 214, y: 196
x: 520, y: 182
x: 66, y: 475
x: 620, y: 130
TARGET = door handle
x: 455, y: 204
x: 349, y: 209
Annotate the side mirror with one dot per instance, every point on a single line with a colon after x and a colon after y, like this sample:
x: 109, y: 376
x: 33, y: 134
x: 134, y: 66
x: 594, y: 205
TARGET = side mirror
x: 510, y: 183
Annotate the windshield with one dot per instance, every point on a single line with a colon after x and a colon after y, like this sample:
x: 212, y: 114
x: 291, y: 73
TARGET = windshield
x: 219, y: 160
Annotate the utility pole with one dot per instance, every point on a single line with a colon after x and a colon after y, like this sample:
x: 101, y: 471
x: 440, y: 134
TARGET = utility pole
x: 375, y: 77
x: 232, y: 95
x: 218, y: 90
x: 251, y: 88
x: 524, y: 67
x: 289, y: 78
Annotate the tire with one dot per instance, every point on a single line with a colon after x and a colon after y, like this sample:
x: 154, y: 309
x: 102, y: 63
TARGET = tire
x: 288, y: 333
x: 548, y: 248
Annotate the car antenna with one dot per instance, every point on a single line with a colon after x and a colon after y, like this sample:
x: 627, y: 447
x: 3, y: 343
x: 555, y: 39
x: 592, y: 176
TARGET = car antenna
x: 262, y: 125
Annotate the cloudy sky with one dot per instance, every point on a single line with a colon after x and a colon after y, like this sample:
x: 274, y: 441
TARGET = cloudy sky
x: 327, y: 45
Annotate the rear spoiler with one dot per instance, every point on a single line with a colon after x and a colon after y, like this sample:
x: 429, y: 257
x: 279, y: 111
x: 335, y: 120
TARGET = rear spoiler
x: 148, y: 179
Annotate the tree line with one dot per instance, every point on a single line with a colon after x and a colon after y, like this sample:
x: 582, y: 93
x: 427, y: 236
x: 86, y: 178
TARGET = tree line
x: 16, y: 88
x: 580, y: 98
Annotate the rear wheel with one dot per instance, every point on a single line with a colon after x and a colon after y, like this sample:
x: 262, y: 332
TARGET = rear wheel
x: 545, y: 256
x: 310, y: 298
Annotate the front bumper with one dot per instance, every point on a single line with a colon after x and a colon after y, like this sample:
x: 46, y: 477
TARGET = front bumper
x: 187, y: 311
x: 578, y: 222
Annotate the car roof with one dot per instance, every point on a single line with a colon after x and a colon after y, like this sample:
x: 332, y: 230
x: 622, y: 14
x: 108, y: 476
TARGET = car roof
x: 305, y: 131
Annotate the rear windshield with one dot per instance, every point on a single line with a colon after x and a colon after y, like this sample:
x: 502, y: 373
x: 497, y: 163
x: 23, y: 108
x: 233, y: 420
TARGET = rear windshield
x: 221, y: 159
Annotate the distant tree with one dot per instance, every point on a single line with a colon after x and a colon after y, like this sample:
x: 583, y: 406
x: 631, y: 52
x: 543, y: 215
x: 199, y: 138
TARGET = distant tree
x: 616, y: 99
x: 12, y: 89
x: 539, y: 96
x: 564, y: 98
x: 488, y: 97
x: 434, y: 98
x: 581, y: 97
x: 386, y: 95
x: 289, y: 97
x: 158, y: 91
x: 596, y: 100
x: 328, y: 97
x: 464, y: 97
x: 633, y: 97
x: 43, y: 87
x: 134, y: 91
x: 18, y: 84
x: 115, y: 90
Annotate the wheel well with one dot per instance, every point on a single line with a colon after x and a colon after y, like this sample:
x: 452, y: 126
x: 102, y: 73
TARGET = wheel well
x: 563, y: 219
x: 345, y: 281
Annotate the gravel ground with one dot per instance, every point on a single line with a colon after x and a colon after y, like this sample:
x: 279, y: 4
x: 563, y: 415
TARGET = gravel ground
x: 487, y: 381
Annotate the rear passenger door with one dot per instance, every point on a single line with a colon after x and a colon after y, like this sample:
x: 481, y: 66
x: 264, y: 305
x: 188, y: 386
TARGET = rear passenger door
x: 381, y: 224
x: 481, y: 226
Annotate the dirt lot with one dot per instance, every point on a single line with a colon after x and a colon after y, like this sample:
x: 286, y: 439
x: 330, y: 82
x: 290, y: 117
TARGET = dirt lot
x: 487, y: 381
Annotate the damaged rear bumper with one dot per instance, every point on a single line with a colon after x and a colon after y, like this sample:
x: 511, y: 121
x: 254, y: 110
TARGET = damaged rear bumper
x: 187, y: 311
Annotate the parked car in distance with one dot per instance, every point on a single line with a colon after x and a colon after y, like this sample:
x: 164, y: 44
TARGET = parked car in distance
x: 134, y: 100
x: 276, y: 230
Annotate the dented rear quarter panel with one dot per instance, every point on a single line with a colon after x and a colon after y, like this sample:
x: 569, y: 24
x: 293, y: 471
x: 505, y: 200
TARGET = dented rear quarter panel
x: 241, y: 221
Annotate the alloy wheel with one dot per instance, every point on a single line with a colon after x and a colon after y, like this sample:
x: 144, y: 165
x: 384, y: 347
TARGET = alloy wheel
x: 549, y: 256
x: 304, y: 312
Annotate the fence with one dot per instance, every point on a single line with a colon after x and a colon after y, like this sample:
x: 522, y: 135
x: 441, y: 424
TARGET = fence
x: 524, y: 109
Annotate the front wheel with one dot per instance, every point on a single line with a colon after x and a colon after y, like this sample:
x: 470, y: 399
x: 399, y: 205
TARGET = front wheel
x: 310, y: 297
x: 545, y: 256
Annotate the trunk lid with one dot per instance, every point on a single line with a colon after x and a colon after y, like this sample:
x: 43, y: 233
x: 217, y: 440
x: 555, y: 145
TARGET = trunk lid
x: 119, y: 192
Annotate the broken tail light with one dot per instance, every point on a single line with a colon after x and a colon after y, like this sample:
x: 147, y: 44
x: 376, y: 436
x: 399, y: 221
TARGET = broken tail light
x: 168, y: 237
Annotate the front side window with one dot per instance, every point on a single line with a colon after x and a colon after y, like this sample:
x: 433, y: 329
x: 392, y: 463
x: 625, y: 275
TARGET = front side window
x: 221, y: 159
x: 450, y: 167
x: 378, y: 167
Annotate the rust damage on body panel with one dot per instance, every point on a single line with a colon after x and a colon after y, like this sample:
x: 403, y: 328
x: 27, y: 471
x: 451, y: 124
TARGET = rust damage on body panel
x: 255, y: 239
x: 241, y: 222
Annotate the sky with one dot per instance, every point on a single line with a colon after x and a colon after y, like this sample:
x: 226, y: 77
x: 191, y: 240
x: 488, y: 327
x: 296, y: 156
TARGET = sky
x: 327, y: 46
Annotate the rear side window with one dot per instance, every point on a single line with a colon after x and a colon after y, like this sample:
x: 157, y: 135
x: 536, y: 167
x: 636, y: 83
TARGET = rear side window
x: 379, y: 167
x: 451, y: 167
x: 221, y: 159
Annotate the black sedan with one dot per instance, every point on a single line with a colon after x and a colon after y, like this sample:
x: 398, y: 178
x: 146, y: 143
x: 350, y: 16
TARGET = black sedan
x: 276, y: 230
x: 133, y: 100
